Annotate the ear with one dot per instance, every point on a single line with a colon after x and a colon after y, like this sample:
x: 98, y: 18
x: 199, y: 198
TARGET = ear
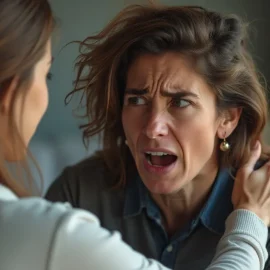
x: 228, y: 122
x: 8, y: 89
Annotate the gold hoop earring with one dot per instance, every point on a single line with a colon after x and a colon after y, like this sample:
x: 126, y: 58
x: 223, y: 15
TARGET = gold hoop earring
x: 224, y: 146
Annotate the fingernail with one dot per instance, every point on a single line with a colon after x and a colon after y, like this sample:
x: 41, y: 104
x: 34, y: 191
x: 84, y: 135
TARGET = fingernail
x: 255, y: 146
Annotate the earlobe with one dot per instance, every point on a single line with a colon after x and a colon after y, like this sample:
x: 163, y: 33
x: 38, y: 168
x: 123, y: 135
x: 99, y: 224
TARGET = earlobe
x: 229, y: 122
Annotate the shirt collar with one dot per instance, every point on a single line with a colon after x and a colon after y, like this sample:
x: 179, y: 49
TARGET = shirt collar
x: 219, y: 205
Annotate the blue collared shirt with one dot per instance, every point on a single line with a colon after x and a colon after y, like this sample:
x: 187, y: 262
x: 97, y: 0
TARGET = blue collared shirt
x: 212, y: 216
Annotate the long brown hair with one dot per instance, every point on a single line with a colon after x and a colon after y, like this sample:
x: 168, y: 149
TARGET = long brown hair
x: 216, y: 42
x: 25, y: 28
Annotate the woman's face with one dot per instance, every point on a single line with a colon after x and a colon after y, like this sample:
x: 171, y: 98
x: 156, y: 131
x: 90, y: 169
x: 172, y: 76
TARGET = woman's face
x: 30, y: 105
x: 170, y: 122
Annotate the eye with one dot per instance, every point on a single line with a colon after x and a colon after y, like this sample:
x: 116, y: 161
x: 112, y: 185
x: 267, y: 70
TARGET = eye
x: 49, y: 76
x: 135, y: 101
x: 181, y: 103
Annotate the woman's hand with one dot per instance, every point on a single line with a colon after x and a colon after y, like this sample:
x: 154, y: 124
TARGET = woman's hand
x: 252, y: 188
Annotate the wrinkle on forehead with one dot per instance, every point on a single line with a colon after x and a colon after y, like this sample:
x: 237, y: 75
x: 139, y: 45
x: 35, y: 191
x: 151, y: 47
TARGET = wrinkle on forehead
x: 169, y: 71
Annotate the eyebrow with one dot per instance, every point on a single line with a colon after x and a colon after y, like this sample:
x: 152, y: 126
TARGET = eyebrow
x: 136, y: 92
x: 181, y: 93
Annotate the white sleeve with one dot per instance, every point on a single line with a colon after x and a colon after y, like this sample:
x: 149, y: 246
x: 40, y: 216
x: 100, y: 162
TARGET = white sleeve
x: 243, y: 245
x: 80, y: 243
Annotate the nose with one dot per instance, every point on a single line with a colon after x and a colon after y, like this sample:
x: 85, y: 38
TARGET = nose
x: 156, y: 126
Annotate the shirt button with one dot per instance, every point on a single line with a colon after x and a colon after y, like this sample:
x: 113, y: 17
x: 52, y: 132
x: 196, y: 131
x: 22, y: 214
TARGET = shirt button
x: 170, y: 248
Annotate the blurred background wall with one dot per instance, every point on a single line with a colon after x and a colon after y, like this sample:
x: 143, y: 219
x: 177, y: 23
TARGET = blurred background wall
x: 58, y: 142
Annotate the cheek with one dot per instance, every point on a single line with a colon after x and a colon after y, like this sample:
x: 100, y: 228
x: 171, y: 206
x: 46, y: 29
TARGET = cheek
x: 195, y: 125
x: 195, y: 130
x: 44, y: 98
x: 201, y: 138
x: 197, y: 141
x: 39, y: 99
x: 36, y: 105
x: 132, y: 125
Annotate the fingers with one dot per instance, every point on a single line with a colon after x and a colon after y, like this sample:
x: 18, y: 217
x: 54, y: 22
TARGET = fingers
x: 255, y: 154
x: 267, y: 186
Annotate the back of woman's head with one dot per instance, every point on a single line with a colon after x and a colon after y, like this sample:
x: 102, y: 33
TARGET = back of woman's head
x: 25, y: 29
x: 216, y: 44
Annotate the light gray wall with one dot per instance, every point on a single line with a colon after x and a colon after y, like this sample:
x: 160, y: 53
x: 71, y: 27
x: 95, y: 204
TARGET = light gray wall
x: 79, y: 18
x: 76, y: 20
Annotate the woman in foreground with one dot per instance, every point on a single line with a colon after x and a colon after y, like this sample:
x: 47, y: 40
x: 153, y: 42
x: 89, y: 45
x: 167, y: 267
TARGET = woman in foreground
x: 36, y: 234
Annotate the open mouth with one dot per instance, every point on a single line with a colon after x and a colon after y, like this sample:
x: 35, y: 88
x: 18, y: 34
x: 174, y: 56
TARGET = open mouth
x: 160, y: 159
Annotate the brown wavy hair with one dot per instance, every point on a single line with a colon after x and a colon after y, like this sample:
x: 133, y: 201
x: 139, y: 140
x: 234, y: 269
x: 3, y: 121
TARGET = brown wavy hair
x: 216, y: 43
x: 25, y: 28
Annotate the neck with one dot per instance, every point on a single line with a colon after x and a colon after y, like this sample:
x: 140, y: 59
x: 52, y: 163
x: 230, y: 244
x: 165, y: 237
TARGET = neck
x: 181, y: 207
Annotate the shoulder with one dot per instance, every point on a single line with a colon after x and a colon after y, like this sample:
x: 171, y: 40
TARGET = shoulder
x: 89, y: 174
x: 86, y: 170
x: 36, y: 234
x: 30, y: 228
x: 36, y: 212
x: 88, y: 185
x: 93, y: 164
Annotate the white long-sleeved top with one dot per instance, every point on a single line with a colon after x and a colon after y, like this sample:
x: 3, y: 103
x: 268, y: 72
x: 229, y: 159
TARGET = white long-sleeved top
x: 38, y: 235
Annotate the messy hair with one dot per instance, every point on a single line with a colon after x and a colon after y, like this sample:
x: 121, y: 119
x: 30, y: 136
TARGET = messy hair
x: 216, y: 43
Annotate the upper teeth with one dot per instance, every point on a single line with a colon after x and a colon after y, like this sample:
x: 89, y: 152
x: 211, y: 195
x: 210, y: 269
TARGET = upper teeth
x: 157, y: 153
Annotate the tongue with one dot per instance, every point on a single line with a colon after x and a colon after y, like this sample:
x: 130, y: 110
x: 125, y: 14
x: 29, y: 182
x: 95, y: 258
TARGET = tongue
x: 165, y: 160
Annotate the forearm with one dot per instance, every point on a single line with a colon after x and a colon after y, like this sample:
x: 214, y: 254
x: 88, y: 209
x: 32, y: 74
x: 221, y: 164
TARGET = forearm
x: 242, y: 246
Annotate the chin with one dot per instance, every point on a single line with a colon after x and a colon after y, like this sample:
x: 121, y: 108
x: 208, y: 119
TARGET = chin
x: 161, y: 186
x: 162, y: 180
